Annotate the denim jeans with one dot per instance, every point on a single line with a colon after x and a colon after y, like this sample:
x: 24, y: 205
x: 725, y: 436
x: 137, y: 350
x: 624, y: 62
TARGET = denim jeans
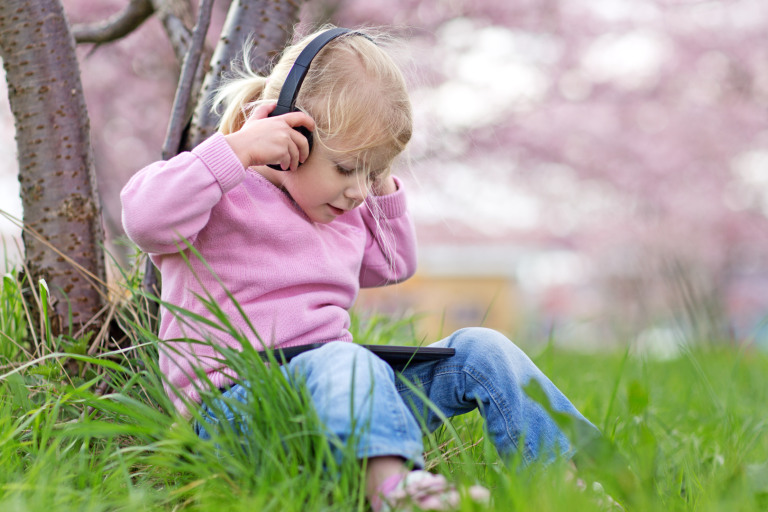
x: 385, y: 414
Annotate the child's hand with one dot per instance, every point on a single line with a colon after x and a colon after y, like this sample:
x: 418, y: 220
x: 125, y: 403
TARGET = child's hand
x: 266, y: 140
x: 384, y: 185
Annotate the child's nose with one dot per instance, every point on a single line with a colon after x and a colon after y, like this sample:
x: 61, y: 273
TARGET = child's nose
x: 356, y: 193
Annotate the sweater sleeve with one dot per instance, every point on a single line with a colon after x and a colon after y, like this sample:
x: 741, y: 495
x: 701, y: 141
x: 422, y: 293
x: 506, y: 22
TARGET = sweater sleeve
x: 390, y: 251
x: 169, y: 201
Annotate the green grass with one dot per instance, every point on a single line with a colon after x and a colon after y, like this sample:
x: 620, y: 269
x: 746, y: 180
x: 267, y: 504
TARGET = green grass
x: 687, y: 434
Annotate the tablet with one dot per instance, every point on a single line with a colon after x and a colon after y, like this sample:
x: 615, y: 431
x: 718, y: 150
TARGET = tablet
x: 396, y: 356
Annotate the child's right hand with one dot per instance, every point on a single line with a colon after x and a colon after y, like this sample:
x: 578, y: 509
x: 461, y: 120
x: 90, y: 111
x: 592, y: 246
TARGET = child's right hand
x: 266, y: 140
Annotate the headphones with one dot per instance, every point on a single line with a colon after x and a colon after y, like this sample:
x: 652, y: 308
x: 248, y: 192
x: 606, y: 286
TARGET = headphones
x: 286, y: 102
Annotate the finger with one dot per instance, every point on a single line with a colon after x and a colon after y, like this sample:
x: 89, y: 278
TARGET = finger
x: 299, y: 119
x: 293, y: 150
x: 302, y: 143
x: 263, y: 110
x: 285, y: 162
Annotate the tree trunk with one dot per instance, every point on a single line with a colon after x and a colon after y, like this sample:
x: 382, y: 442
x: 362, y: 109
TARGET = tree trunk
x: 271, y: 23
x: 58, y: 182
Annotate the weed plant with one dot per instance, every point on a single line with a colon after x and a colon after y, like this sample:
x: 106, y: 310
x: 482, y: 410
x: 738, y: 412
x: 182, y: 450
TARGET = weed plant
x: 86, y: 425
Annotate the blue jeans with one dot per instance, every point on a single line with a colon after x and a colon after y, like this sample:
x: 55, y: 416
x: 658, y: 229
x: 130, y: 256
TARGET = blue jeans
x: 488, y: 371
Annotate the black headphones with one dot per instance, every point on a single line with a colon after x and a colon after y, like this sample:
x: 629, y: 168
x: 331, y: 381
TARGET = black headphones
x: 286, y: 102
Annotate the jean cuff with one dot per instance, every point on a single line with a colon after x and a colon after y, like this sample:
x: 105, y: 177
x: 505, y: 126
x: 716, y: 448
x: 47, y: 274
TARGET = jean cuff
x: 411, y: 452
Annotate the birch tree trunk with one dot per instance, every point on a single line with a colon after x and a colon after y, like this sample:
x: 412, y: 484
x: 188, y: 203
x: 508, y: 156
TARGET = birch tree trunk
x: 58, y: 182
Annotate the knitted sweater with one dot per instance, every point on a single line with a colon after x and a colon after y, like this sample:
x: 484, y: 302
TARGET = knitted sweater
x: 294, y: 279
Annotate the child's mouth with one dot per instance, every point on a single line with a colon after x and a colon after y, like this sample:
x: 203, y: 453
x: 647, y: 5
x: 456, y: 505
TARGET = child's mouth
x: 336, y: 211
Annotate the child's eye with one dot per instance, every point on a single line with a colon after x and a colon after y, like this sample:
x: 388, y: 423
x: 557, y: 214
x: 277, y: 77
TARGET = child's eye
x: 344, y: 170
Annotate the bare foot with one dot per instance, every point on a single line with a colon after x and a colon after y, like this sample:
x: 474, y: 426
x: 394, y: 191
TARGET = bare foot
x: 381, y: 468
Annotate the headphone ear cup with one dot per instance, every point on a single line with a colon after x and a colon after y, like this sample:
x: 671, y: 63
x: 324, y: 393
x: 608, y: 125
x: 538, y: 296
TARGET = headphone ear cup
x: 310, y: 140
x: 308, y: 134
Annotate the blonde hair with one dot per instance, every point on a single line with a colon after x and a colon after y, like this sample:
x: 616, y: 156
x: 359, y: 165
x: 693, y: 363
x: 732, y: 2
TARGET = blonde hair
x: 354, y: 91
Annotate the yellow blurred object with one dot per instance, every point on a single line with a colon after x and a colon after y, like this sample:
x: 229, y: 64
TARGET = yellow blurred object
x: 444, y: 304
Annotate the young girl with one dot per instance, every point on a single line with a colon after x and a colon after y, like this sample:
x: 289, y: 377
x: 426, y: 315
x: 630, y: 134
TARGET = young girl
x: 294, y: 246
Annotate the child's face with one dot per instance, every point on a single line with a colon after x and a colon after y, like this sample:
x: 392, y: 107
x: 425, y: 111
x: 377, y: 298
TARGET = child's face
x: 325, y: 186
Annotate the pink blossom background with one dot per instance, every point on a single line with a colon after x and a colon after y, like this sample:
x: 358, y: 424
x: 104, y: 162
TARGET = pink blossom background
x: 614, y: 151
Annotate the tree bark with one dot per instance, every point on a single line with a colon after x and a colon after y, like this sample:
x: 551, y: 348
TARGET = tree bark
x: 271, y: 23
x: 58, y: 182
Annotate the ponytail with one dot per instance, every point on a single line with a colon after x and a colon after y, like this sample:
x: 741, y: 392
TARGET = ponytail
x: 239, y: 97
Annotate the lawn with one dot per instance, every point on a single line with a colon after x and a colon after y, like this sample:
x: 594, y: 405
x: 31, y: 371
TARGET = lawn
x: 94, y: 432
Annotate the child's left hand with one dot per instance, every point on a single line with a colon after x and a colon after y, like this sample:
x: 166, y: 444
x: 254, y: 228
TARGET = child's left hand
x: 384, y: 185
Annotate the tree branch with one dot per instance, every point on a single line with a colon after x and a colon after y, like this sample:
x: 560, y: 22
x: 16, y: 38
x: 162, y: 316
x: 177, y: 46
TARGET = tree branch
x: 191, y: 60
x: 176, y: 17
x: 116, y: 26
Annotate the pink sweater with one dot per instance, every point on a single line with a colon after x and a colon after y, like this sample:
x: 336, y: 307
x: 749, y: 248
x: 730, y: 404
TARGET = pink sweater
x: 295, y: 279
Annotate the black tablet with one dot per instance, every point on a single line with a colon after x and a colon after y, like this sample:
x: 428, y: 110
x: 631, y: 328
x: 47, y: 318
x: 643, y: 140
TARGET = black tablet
x: 396, y: 356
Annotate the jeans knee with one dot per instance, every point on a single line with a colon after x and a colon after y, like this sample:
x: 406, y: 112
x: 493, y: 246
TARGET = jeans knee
x: 489, y: 348
x: 482, y: 339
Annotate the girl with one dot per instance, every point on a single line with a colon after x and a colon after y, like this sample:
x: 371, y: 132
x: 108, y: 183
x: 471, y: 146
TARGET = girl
x: 294, y: 246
